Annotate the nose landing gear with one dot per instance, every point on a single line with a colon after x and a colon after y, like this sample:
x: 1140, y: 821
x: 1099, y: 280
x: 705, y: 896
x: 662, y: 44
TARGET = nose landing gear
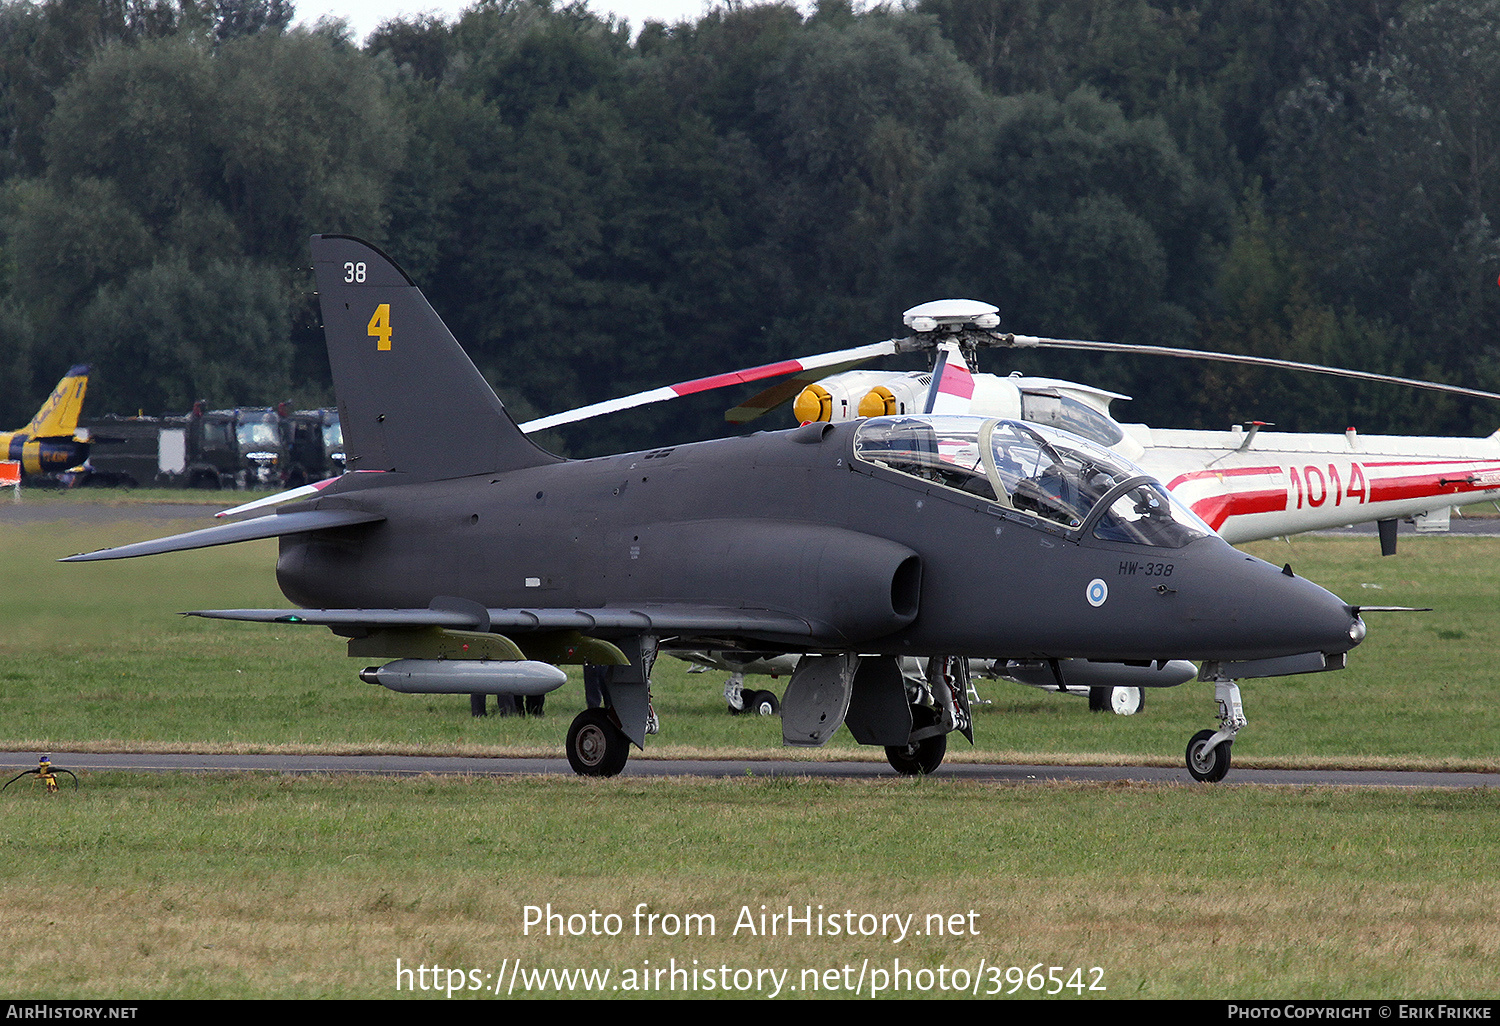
x: 1208, y: 751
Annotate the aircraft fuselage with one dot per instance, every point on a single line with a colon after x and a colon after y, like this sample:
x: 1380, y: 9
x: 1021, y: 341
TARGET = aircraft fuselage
x: 1284, y: 483
x: 875, y: 561
x: 42, y: 455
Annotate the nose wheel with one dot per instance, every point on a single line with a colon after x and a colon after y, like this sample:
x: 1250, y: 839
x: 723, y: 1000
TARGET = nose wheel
x: 748, y: 701
x: 1208, y: 750
x: 1207, y: 764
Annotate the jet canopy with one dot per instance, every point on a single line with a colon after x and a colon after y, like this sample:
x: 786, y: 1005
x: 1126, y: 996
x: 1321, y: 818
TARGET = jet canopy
x: 1035, y: 470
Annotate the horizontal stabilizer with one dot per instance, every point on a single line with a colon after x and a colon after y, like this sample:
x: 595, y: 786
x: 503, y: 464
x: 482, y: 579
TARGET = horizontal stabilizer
x: 639, y: 620
x: 227, y: 534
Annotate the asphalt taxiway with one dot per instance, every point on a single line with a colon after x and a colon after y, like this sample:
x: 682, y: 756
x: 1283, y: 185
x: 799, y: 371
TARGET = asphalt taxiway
x: 417, y: 765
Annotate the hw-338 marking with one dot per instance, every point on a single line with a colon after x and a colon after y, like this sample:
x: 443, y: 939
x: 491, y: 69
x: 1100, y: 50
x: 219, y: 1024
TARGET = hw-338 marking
x: 1131, y: 567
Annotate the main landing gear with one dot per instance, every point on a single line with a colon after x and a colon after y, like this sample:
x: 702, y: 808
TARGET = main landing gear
x: 939, y: 704
x: 1208, y: 751
x: 923, y: 752
x: 619, y: 711
x: 1120, y: 701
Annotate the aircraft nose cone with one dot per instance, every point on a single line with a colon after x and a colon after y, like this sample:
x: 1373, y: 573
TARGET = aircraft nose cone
x: 1357, y: 629
x: 1264, y: 611
x: 1314, y: 618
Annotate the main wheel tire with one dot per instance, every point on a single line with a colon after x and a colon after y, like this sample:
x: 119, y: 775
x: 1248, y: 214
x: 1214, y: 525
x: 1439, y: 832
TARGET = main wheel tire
x: 1207, y: 767
x: 762, y: 703
x: 476, y: 705
x: 596, y: 747
x: 918, y: 757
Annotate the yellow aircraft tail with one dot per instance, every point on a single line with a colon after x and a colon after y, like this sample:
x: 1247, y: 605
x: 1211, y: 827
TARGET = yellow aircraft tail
x: 58, y: 417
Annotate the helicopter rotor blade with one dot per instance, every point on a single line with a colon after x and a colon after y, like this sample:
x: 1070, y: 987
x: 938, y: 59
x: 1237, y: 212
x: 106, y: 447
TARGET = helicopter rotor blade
x: 784, y: 391
x: 843, y: 359
x: 1036, y: 342
x: 848, y: 357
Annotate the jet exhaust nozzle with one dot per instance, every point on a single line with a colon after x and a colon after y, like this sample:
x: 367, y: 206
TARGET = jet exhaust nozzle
x: 466, y: 677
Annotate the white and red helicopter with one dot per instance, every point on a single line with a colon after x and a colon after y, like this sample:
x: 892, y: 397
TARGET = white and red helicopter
x: 1246, y: 483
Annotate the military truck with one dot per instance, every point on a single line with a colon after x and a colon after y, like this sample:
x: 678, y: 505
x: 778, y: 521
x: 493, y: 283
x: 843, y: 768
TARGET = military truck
x: 240, y: 448
x: 123, y: 453
x: 314, y: 442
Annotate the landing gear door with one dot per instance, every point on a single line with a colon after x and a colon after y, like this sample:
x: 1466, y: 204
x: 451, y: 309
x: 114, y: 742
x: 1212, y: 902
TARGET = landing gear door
x: 879, y: 713
x: 816, y: 699
x: 628, y: 688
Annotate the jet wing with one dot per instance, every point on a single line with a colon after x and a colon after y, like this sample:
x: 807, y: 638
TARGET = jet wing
x: 227, y: 534
x: 659, y: 620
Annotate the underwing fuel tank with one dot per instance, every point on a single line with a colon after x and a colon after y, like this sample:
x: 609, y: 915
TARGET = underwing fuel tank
x: 466, y: 677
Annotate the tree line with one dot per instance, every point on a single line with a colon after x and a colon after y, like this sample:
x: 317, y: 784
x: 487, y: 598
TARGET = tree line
x: 597, y: 208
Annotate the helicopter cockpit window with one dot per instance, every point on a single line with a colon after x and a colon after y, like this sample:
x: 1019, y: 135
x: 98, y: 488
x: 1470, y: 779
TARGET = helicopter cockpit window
x: 1071, y: 415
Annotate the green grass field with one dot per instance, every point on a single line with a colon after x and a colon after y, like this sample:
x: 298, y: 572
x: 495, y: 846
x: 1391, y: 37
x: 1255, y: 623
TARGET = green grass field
x: 249, y: 886
x: 142, y: 886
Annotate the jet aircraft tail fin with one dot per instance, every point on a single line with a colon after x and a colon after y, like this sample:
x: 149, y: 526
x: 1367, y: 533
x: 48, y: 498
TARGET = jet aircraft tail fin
x: 410, y: 399
x: 58, y: 417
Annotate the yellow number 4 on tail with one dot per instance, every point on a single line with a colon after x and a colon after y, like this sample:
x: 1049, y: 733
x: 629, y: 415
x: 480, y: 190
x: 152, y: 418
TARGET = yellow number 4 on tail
x: 380, y: 326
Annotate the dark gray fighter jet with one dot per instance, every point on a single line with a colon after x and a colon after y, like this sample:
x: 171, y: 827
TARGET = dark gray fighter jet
x: 478, y: 561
